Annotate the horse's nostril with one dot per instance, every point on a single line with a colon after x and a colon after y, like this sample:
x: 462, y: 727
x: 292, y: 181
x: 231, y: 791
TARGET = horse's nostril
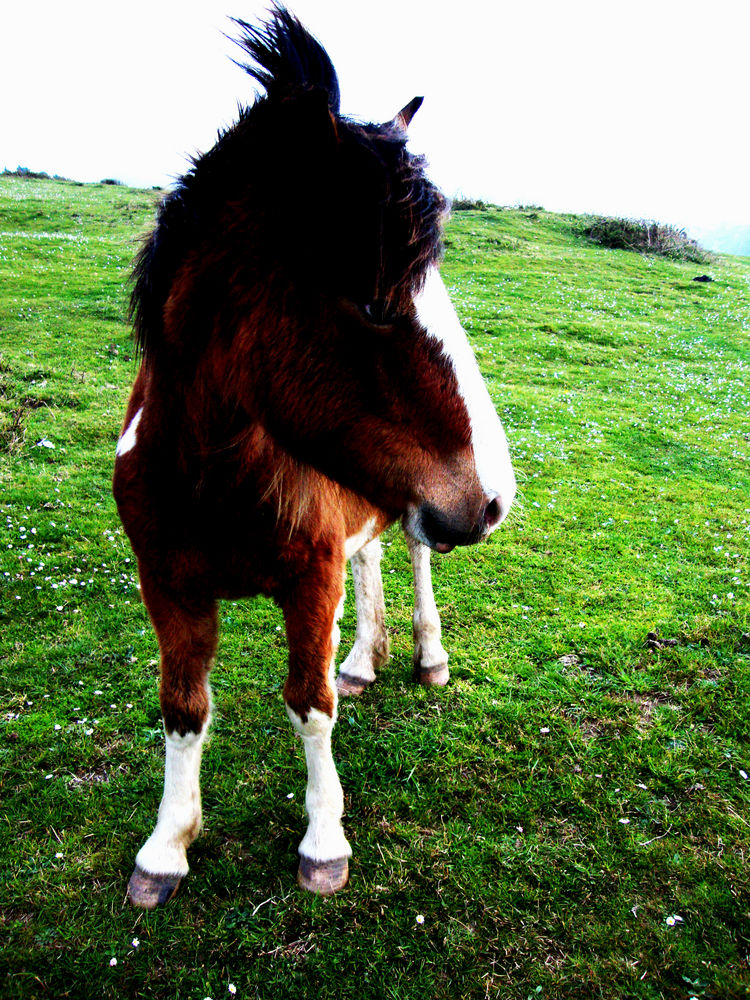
x: 492, y: 513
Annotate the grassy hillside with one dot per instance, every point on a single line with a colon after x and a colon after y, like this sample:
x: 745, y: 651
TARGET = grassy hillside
x: 569, y: 816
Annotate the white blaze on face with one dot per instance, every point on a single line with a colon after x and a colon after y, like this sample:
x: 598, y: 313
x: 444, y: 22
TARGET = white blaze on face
x: 128, y: 439
x: 436, y: 314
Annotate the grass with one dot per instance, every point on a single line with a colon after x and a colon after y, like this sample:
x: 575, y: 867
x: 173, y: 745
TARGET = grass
x: 575, y: 787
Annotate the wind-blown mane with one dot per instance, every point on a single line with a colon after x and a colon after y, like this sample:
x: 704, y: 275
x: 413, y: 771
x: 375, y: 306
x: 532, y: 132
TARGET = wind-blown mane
x: 343, y: 207
x: 287, y: 58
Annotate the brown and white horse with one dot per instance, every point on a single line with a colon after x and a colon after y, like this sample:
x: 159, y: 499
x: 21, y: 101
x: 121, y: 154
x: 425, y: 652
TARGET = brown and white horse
x: 304, y: 382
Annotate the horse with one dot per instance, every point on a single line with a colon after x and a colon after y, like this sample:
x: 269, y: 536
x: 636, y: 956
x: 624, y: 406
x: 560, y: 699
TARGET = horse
x: 304, y: 382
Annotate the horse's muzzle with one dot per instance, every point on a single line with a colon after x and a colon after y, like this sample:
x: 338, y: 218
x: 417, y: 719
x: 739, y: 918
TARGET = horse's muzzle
x: 443, y: 531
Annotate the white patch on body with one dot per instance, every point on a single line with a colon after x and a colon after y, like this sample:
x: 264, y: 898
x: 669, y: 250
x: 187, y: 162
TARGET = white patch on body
x: 180, y: 814
x: 363, y: 536
x: 428, y: 647
x: 370, y: 649
x: 336, y: 635
x: 324, y: 800
x: 436, y: 314
x: 128, y: 440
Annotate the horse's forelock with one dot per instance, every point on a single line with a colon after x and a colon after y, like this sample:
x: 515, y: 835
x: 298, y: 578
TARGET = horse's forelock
x: 409, y: 210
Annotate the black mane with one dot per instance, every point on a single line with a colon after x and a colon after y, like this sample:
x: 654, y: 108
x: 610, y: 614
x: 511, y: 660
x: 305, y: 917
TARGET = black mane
x: 287, y: 57
x: 341, y: 208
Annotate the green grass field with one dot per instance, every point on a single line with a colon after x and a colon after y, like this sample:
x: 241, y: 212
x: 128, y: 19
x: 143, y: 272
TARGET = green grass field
x: 568, y: 818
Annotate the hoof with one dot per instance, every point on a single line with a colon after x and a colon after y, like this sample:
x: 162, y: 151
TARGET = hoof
x: 148, y: 891
x: 437, y: 676
x: 323, y: 877
x: 347, y: 685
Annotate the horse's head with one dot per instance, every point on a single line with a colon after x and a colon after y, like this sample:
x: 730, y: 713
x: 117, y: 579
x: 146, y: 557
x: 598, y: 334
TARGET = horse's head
x: 382, y: 392
x: 310, y: 246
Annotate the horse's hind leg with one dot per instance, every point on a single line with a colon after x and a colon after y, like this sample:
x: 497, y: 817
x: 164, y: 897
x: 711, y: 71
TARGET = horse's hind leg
x: 187, y: 633
x: 430, y: 659
x: 370, y: 649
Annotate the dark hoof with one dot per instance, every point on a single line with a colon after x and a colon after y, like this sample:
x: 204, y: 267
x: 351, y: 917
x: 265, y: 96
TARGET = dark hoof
x: 437, y: 676
x: 148, y: 891
x: 347, y: 685
x: 323, y: 877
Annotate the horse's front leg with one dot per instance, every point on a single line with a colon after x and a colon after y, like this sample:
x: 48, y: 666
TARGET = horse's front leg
x: 187, y: 633
x: 430, y: 659
x: 311, y: 617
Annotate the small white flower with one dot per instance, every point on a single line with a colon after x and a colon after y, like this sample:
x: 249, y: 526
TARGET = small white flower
x: 232, y: 988
x: 47, y: 777
x: 290, y: 795
x: 673, y: 920
x: 544, y: 729
x: 624, y: 821
x: 113, y: 961
x: 743, y: 774
x: 59, y: 855
x: 135, y: 942
x: 420, y: 918
x: 57, y: 726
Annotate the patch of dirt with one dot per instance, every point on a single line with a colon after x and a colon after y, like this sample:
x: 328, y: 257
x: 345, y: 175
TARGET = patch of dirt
x: 648, y: 704
x: 99, y: 776
x: 296, y: 950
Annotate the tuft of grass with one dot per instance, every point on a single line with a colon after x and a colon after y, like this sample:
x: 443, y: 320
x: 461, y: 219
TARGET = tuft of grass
x: 642, y: 236
x: 469, y: 204
x: 599, y: 653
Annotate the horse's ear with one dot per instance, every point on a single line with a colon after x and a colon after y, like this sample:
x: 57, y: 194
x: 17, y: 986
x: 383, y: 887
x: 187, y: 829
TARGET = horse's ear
x: 405, y: 115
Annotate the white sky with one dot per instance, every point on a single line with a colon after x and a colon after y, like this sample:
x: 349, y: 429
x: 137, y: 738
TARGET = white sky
x: 627, y: 107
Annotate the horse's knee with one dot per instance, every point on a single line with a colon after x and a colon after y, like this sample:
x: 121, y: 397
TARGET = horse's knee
x: 185, y: 708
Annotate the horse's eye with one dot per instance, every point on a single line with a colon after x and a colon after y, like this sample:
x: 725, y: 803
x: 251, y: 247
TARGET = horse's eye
x: 377, y: 313
x: 370, y: 313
